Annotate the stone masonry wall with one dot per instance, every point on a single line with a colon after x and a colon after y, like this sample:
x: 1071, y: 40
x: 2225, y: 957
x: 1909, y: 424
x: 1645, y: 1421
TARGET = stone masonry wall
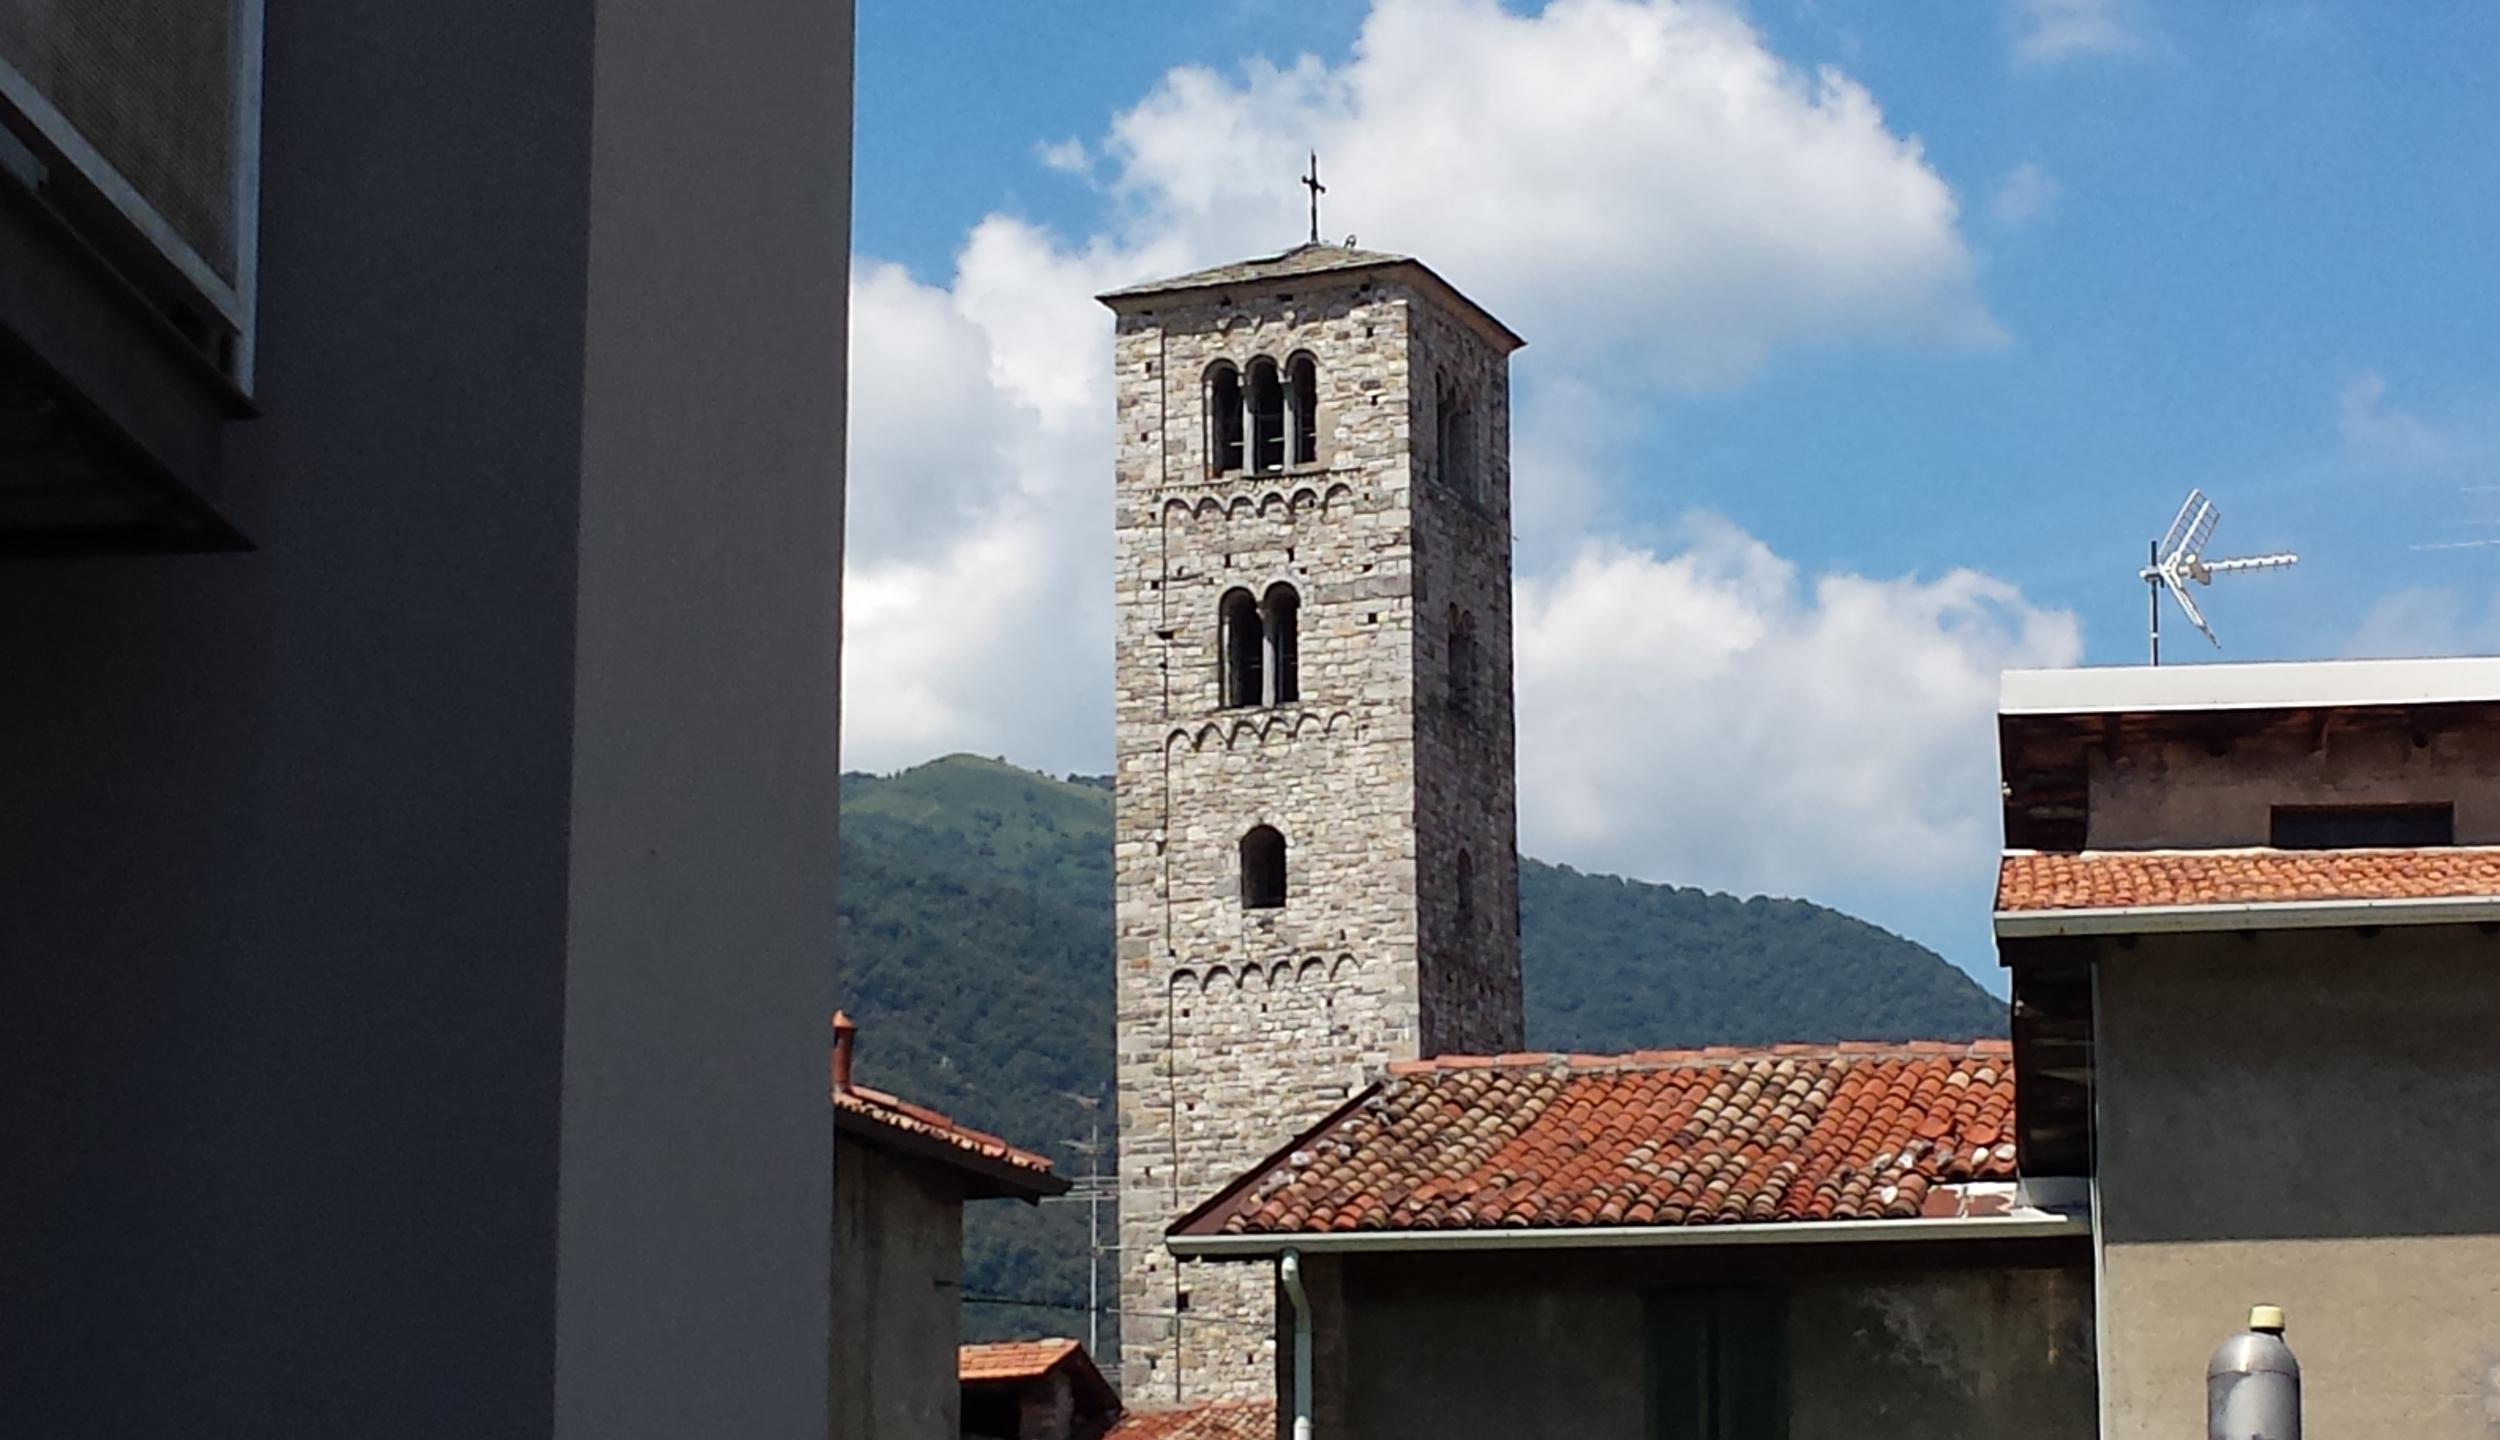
x: 1237, y: 1027
x: 1466, y: 773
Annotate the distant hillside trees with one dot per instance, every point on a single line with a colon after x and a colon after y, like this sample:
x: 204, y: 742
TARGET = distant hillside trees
x: 976, y: 955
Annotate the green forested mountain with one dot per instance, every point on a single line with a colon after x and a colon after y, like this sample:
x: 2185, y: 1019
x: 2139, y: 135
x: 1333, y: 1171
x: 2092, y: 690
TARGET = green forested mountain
x: 976, y: 955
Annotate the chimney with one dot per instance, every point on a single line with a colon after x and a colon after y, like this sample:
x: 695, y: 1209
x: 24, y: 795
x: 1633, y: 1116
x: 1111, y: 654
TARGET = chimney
x: 845, y: 1039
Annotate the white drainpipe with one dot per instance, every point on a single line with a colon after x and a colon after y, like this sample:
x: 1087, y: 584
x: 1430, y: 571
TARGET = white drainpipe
x: 1290, y: 1268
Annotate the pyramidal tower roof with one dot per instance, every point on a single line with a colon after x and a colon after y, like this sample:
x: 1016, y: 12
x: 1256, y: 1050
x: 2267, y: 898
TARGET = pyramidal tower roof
x: 1312, y: 259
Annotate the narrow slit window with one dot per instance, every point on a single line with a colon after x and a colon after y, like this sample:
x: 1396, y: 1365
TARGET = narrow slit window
x: 1462, y: 660
x: 1444, y: 399
x: 1243, y: 641
x: 1281, y: 616
x: 1223, y: 419
x: 1302, y: 401
x: 1263, y: 869
x: 1267, y: 417
x: 1466, y: 906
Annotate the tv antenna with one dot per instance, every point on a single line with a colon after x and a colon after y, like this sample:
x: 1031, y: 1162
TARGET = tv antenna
x: 2179, y: 557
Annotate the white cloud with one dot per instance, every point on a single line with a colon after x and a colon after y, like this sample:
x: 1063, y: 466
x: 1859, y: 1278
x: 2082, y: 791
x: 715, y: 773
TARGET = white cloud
x: 1712, y: 717
x: 2383, y: 435
x: 1638, y: 179
x: 2048, y: 31
x: 1068, y: 157
x: 2425, y: 621
x: 2025, y: 194
x: 1656, y: 200
x: 976, y: 613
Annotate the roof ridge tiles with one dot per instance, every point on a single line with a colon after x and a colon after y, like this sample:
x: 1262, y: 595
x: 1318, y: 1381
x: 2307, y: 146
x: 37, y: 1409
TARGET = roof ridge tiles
x: 1711, y: 1057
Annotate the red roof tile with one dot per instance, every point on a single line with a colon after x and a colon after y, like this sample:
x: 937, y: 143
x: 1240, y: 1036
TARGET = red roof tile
x: 1018, y: 1362
x: 867, y: 1112
x: 1011, y: 1359
x: 1223, y: 1420
x: 1707, y: 1137
x: 2122, y: 879
x: 898, y: 1114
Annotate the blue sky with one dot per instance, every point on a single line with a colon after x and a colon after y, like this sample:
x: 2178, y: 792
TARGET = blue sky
x: 1970, y: 291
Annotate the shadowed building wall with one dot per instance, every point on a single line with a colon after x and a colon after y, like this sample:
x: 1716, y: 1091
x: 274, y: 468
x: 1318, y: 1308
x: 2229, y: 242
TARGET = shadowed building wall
x: 419, y: 927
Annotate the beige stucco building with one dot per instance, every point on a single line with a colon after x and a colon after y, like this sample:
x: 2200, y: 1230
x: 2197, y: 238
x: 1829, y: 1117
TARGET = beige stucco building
x: 2252, y: 915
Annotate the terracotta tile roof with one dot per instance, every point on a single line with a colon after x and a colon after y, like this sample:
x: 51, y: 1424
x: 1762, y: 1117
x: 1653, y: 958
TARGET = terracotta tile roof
x: 996, y: 1167
x: 893, y: 1113
x: 2120, y: 879
x: 1222, y: 1420
x: 1704, y: 1137
x: 1011, y: 1359
x: 1017, y: 1362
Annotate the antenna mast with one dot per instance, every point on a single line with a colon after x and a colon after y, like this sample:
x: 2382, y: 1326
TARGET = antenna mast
x: 2178, y: 557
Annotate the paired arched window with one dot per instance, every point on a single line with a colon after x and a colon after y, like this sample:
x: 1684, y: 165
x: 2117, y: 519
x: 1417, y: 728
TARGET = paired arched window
x: 1281, y: 615
x: 1463, y: 660
x: 1223, y: 418
x: 1260, y: 637
x: 1262, y: 869
x: 1244, y: 640
x: 1454, y: 438
x: 1302, y: 405
x: 1263, y: 419
x: 1267, y: 417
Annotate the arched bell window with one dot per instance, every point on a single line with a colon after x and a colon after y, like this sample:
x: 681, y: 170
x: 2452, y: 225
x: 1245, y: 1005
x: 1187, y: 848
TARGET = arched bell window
x: 1302, y: 407
x: 1267, y: 417
x: 1280, y: 617
x: 1263, y: 869
x: 1223, y: 418
x: 1242, y: 639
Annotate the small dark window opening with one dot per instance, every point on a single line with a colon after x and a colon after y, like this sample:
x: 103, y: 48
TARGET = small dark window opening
x: 1466, y: 907
x: 1302, y: 400
x: 1262, y: 869
x: 1244, y: 643
x: 1267, y: 418
x: 1223, y: 419
x: 1462, y: 660
x: 1717, y: 1365
x: 1281, y: 615
x: 992, y: 1410
x: 2363, y: 827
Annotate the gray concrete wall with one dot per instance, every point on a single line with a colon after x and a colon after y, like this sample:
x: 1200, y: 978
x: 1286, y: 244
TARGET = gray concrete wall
x: 491, y: 799
x: 2309, y: 1119
x: 897, y: 1298
x: 1448, y: 1347
x: 2179, y: 795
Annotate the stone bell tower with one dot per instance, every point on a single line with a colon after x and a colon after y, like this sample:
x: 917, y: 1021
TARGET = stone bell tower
x: 1317, y: 860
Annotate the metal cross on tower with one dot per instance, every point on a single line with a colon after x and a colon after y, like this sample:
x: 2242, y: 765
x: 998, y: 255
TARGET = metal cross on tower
x: 1311, y: 183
